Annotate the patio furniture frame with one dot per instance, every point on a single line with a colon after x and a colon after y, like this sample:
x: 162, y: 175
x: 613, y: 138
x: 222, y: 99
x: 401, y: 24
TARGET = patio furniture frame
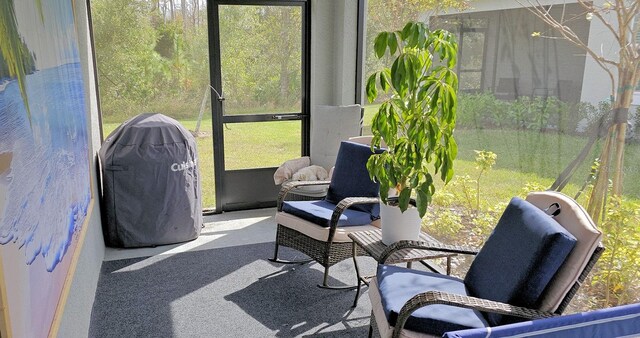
x: 371, y: 243
x: 326, y: 253
x: 438, y: 297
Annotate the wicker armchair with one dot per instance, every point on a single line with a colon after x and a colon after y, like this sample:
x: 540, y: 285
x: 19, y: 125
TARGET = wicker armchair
x: 530, y: 267
x: 320, y: 228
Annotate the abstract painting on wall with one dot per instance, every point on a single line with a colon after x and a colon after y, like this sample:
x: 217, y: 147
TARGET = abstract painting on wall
x: 45, y: 187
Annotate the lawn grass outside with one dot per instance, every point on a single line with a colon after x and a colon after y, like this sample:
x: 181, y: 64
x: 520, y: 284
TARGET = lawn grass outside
x: 543, y: 155
x: 523, y: 156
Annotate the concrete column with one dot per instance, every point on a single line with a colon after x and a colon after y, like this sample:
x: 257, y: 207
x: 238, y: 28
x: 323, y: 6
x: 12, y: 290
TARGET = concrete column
x: 333, y: 52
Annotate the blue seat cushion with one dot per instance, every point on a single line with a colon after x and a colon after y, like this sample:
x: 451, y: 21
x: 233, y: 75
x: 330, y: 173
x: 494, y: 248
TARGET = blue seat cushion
x: 319, y: 212
x: 519, y: 258
x: 350, y: 175
x: 397, y: 285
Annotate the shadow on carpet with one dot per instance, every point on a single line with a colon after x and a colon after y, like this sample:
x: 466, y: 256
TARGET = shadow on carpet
x: 227, y: 292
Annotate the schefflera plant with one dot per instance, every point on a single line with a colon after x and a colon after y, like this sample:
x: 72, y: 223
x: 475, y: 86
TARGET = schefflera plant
x: 417, y: 120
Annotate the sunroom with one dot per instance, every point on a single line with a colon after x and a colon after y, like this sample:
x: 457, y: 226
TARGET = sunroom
x: 258, y: 83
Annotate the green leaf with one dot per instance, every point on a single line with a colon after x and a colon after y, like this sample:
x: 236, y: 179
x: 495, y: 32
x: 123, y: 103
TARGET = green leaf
x: 384, y: 190
x: 406, y: 31
x: 399, y: 76
x: 438, y: 162
x: 384, y: 81
x: 449, y: 170
x: 404, y: 198
x: 392, y: 41
x: 423, y: 36
x: 392, y: 118
x: 380, y: 44
x: 408, y: 71
x: 435, y: 98
x: 415, y: 36
x: 373, y: 167
x: 423, y: 199
x: 381, y: 122
x: 450, y: 109
x: 453, y: 148
x: 372, y: 91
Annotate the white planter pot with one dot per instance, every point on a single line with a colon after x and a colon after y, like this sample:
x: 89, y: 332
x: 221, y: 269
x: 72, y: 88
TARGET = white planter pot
x: 398, y: 225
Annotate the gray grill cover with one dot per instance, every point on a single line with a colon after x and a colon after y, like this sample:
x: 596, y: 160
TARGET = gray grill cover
x: 151, y: 193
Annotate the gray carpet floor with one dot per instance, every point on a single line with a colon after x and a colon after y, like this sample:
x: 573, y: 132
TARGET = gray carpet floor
x: 227, y: 292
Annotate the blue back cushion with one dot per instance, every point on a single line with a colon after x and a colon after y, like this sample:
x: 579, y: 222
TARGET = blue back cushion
x: 519, y: 258
x: 351, y: 177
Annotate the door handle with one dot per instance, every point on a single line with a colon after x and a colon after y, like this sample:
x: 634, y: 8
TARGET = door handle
x: 286, y: 117
x: 220, y: 96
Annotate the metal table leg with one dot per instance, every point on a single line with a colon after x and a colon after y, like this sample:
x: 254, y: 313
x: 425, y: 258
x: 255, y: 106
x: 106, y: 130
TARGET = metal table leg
x: 355, y: 263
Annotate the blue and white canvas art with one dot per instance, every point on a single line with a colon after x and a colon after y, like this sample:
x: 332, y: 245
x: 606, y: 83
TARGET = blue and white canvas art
x: 45, y: 188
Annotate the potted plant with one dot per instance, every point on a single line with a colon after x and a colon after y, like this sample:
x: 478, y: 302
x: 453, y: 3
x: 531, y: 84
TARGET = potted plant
x: 416, y: 122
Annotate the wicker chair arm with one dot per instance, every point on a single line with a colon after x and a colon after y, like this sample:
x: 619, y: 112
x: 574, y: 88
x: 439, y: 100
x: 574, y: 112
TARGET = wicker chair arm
x: 288, y: 186
x: 438, y: 297
x: 406, y: 244
x: 344, y: 205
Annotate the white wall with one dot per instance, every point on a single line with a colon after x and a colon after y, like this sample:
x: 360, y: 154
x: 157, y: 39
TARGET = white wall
x: 597, y: 85
x: 77, y: 311
x: 333, y: 52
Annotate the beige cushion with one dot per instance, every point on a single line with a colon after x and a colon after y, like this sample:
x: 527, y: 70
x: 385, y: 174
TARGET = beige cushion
x: 366, y: 139
x: 311, y: 173
x: 320, y: 233
x: 576, y: 220
x: 288, y: 168
x: 380, y: 320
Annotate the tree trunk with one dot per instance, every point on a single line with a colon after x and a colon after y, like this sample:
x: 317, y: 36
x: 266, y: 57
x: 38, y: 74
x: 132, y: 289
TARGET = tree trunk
x: 597, y: 199
x: 164, y: 10
x: 203, y: 104
x: 285, y: 50
x: 196, y: 12
x: 612, y: 168
x: 625, y: 97
x: 183, y: 9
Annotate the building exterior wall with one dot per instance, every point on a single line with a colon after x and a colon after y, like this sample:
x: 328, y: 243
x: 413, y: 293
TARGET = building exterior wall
x: 514, y: 62
x: 551, y: 60
x: 597, y: 84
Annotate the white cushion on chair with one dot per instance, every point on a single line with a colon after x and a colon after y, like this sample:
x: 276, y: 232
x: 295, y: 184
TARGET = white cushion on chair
x: 321, y: 233
x: 576, y: 220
